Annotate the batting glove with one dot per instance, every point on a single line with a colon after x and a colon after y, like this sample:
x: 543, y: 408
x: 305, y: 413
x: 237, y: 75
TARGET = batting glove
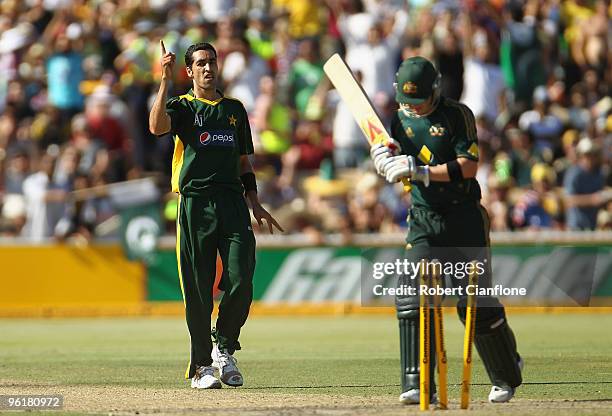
x: 382, y: 151
x: 398, y: 167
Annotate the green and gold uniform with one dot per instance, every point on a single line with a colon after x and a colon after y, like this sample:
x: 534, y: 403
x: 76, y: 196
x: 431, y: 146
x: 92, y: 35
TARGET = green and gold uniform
x: 445, y: 219
x: 446, y: 134
x: 209, y: 139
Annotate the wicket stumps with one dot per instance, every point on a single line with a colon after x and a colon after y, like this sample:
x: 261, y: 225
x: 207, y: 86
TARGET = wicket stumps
x: 435, y: 280
x: 428, y: 281
x: 468, y: 341
x: 440, y: 348
x: 424, y: 341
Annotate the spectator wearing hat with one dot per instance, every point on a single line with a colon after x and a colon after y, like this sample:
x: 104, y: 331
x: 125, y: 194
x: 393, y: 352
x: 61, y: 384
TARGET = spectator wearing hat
x: 542, y: 125
x: 539, y: 207
x: 584, y: 184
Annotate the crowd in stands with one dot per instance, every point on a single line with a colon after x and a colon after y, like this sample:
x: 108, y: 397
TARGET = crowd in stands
x: 77, y: 79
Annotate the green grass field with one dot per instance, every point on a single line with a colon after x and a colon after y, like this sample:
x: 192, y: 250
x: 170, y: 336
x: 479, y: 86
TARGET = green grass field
x: 294, y: 366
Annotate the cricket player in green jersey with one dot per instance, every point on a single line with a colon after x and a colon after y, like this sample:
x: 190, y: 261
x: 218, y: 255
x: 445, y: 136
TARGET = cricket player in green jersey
x: 211, y: 172
x: 436, y: 147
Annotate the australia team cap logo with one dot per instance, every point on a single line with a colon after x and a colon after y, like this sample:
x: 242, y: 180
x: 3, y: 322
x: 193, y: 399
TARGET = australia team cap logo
x: 409, y: 88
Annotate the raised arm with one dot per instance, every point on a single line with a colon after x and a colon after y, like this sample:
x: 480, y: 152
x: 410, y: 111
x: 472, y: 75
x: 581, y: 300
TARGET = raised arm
x: 468, y: 33
x: 159, y: 120
x: 596, y: 199
x: 399, y: 28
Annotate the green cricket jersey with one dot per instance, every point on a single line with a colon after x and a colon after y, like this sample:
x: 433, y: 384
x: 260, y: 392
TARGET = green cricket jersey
x: 209, y: 138
x: 448, y: 133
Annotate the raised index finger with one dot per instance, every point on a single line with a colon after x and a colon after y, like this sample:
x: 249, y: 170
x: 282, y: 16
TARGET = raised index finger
x: 163, y: 47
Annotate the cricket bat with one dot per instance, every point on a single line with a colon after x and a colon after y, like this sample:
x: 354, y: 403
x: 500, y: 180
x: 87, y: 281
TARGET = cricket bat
x: 358, y: 103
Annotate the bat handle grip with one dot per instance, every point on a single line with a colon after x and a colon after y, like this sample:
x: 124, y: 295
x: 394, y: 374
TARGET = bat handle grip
x: 407, y: 185
x: 405, y: 181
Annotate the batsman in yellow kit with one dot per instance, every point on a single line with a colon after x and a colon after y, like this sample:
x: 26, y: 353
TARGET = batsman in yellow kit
x: 435, y: 146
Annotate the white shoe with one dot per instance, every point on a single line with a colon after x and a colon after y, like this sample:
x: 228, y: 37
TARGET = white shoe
x: 226, y: 363
x: 503, y: 394
x: 205, y: 379
x: 413, y: 396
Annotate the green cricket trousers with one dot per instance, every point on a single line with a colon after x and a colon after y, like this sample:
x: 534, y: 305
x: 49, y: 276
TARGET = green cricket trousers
x: 216, y: 222
x: 458, y: 235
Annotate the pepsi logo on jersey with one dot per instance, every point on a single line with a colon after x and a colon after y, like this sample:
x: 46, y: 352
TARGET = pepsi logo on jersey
x: 217, y: 138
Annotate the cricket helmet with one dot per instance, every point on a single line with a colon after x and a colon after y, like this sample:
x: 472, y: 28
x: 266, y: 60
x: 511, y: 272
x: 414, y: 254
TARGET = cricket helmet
x: 416, y: 80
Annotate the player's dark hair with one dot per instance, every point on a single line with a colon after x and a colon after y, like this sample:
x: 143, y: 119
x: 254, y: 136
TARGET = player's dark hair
x: 202, y: 46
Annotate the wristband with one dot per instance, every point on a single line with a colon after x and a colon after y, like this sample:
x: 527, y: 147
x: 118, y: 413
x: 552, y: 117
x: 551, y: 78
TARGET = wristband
x: 454, y: 170
x: 422, y: 174
x: 249, y: 182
